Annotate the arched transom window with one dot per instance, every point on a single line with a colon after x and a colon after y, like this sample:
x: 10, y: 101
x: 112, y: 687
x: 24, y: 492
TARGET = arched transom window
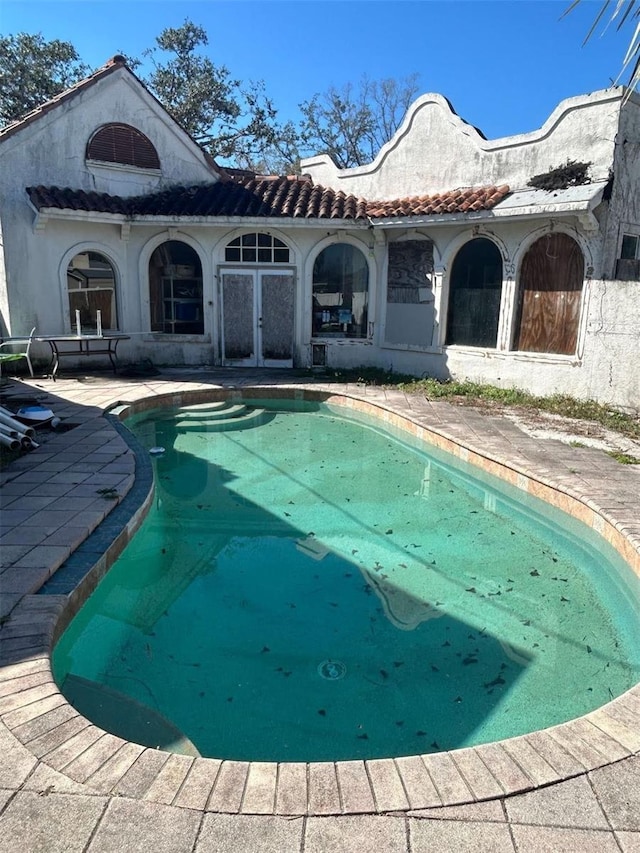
x: 257, y: 248
x: 91, y: 285
x: 340, y: 293
x: 121, y: 143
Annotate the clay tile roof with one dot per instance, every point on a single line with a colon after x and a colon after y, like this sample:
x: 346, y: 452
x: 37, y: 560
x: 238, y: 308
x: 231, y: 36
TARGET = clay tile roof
x: 250, y: 195
x: 247, y: 195
x: 455, y: 201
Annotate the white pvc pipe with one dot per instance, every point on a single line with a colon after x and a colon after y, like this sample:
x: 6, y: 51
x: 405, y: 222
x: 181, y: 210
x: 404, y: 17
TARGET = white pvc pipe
x: 9, y: 441
x: 8, y: 419
x: 25, y: 441
x: 7, y: 430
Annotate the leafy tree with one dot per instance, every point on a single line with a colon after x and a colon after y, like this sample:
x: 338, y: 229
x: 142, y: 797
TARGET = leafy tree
x: 33, y: 71
x: 232, y: 120
x: 351, y: 124
x: 197, y: 93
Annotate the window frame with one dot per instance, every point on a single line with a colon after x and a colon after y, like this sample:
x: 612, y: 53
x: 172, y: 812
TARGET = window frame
x: 336, y: 318
x: 169, y: 280
x: 69, y: 311
x: 250, y: 243
x: 143, y: 153
x: 486, y: 238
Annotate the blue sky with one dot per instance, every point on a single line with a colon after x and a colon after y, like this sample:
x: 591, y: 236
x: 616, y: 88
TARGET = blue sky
x: 503, y: 64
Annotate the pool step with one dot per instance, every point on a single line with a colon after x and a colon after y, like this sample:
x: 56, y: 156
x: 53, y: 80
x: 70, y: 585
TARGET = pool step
x: 221, y: 409
x: 210, y: 411
x: 126, y: 717
x: 241, y: 420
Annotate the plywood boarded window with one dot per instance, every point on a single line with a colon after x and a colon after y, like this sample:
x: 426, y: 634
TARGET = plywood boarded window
x: 549, y: 296
x: 121, y: 143
x: 91, y: 285
x: 475, y: 290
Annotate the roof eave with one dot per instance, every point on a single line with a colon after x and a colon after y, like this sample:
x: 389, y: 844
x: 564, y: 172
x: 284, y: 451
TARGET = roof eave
x: 258, y: 221
x: 580, y: 209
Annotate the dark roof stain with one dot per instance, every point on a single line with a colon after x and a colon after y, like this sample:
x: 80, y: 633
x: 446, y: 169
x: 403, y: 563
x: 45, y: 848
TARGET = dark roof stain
x: 255, y: 196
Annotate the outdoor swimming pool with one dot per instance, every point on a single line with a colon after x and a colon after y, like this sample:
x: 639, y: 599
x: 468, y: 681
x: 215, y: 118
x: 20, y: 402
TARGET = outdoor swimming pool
x: 311, y: 587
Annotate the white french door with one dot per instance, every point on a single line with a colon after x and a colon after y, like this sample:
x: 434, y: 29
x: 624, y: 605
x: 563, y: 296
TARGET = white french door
x: 257, y: 317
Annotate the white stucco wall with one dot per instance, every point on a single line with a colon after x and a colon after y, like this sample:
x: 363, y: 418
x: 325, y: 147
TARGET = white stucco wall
x: 434, y: 150
x: 624, y: 205
x: 51, y: 152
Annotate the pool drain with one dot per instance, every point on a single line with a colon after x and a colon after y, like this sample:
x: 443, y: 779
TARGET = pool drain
x: 332, y: 670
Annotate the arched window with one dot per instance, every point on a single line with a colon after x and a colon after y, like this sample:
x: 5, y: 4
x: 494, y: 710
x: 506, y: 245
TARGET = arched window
x: 175, y: 290
x: 91, y: 285
x: 340, y: 292
x: 475, y: 290
x: 549, y: 296
x: 257, y: 248
x: 121, y: 143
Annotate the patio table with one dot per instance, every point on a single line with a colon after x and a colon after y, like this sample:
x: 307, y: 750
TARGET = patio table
x: 82, y: 345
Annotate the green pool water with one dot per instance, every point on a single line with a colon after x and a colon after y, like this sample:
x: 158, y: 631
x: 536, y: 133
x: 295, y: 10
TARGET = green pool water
x: 311, y: 587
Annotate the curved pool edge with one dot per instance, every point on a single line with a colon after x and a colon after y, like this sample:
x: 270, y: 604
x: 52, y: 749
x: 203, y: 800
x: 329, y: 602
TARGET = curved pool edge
x: 35, y: 711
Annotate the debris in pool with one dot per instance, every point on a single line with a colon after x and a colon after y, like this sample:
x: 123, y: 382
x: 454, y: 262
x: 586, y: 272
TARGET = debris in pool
x: 156, y: 451
x: 435, y: 744
x: 322, y: 712
x: 399, y: 722
x: 535, y: 573
x: 332, y: 670
x: 265, y: 649
x: 420, y: 733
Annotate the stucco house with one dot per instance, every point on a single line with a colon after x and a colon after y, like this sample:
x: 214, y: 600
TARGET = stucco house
x: 513, y: 261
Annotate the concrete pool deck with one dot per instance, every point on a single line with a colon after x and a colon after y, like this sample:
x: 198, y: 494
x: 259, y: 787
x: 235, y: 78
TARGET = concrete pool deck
x: 66, y: 785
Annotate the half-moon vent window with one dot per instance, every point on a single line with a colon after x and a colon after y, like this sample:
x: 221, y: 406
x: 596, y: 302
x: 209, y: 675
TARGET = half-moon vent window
x: 121, y: 143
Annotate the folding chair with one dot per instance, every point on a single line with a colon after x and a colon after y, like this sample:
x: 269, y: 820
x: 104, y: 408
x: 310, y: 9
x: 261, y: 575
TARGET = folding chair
x: 16, y: 354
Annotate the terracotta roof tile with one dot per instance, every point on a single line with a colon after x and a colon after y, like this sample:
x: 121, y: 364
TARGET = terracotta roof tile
x: 456, y: 201
x: 259, y: 196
